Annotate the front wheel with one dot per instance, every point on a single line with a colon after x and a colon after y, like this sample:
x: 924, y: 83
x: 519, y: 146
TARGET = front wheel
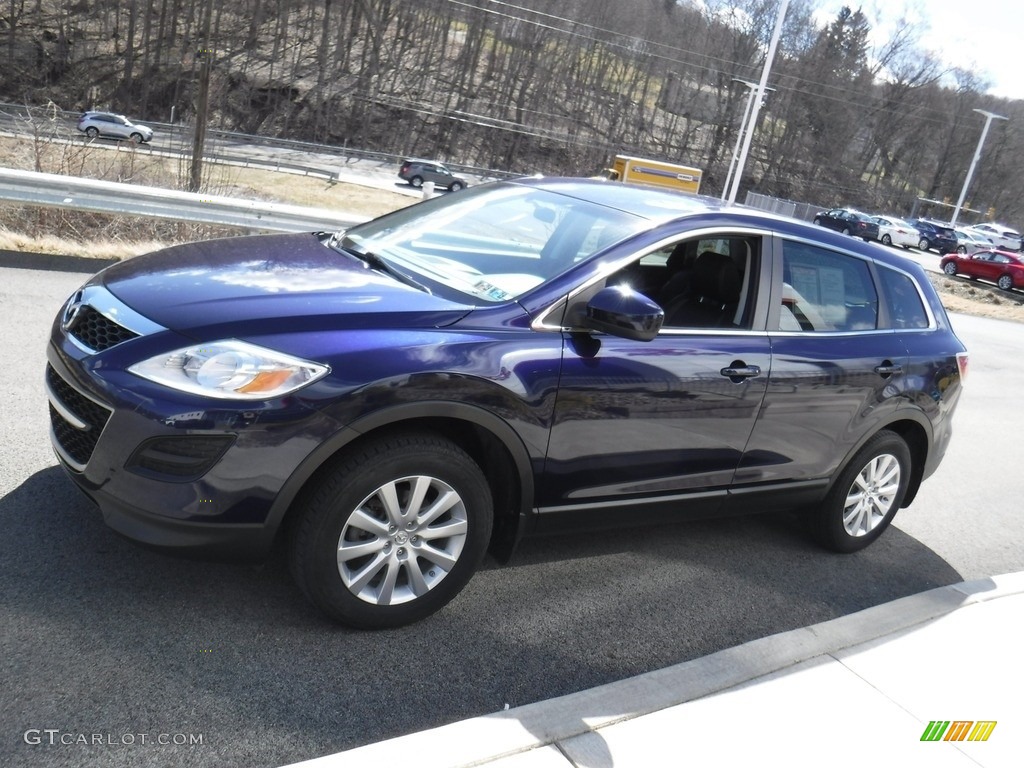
x: 961, y: 249
x: 886, y: 240
x: 393, y: 532
x: 950, y: 268
x: 1005, y: 282
x: 865, y: 496
x: 455, y: 186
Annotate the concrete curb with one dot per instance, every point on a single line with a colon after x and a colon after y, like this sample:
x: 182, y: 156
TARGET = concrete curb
x: 480, y: 740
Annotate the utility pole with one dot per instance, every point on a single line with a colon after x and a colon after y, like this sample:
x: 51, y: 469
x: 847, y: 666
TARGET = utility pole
x: 202, y: 102
x: 758, y: 99
x: 989, y: 117
x: 751, y: 87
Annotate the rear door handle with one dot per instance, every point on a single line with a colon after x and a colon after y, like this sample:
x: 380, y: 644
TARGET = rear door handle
x: 888, y: 368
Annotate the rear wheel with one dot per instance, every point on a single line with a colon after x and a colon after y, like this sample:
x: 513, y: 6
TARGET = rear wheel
x: 92, y: 131
x: 961, y: 249
x: 865, y: 496
x: 886, y: 240
x: 393, y: 533
x: 922, y: 244
x: 416, y: 181
x: 1005, y: 282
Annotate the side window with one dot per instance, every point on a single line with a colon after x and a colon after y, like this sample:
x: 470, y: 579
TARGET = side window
x: 700, y: 282
x: 825, y: 291
x: 904, y: 300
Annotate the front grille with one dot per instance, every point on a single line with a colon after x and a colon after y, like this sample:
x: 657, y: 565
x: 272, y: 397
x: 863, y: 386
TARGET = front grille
x: 180, y: 457
x: 96, y: 331
x: 75, y: 440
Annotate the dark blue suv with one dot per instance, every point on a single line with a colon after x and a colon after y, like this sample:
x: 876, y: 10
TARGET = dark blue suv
x: 521, y: 358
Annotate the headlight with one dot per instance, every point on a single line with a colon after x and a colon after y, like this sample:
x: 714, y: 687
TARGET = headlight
x: 230, y: 369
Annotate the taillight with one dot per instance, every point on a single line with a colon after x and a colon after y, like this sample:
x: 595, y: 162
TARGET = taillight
x: 961, y: 363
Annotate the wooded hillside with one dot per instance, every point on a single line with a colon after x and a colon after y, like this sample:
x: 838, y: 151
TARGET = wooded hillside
x: 549, y: 86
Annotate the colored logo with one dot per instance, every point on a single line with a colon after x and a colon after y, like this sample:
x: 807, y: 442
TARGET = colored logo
x: 958, y: 730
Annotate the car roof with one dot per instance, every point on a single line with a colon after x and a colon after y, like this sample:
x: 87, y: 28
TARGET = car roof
x: 96, y: 112
x: 665, y: 205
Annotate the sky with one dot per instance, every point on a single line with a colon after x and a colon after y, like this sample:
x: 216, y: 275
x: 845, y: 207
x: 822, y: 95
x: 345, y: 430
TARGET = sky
x: 980, y: 35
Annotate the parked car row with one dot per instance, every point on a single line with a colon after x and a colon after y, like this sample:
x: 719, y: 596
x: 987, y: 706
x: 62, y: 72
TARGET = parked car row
x: 924, y: 234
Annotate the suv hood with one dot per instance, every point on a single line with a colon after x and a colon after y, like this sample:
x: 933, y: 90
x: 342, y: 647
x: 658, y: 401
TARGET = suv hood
x: 266, y: 279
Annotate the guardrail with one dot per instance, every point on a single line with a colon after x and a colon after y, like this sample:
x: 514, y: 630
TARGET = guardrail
x: 57, y: 191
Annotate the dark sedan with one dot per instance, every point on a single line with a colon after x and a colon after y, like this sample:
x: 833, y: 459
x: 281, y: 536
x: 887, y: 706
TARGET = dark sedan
x: 849, y: 222
x: 520, y: 358
x: 935, y: 236
x: 1004, y: 268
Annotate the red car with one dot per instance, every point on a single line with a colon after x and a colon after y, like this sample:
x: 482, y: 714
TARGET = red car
x: 1004, y: 268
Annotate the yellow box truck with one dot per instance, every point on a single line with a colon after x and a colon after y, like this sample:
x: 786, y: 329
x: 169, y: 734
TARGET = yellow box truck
x: 639, y: 170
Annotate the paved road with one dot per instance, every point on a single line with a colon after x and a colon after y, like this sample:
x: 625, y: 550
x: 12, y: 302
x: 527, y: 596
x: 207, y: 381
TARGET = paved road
x: 104, y: 642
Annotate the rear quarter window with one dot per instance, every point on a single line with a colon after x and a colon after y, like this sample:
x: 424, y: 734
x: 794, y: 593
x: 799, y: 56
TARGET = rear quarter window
x: 904, y: 299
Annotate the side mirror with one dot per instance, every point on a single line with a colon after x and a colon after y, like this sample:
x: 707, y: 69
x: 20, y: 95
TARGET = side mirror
x: 620, y: 311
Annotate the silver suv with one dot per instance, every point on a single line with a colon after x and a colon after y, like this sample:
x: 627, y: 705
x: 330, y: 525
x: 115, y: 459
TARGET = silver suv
x: 418, y: 171
x: 94, y: 124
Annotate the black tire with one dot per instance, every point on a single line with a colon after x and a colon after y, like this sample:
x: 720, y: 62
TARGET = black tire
x: 846, y: 230
x: 401, y: 569
x: 961, y: 249
x: 92, y: 131
x: 886, y: 240
x: 416, y: 181
x: 817, y: 222
x: 456, y: 186
x: 950, y: 268
x: 135, y: 138
x: 1005, y: 282
x: 923, y: 244
x: 865, y: 496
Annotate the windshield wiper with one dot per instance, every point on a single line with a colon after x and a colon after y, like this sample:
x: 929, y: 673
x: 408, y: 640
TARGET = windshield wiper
x: 374, y: 261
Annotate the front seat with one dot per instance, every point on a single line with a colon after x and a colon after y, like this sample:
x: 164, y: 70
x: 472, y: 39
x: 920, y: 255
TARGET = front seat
x: 714, y: 294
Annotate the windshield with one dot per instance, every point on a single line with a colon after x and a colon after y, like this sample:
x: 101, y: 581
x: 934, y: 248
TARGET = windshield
x: 495, y: 242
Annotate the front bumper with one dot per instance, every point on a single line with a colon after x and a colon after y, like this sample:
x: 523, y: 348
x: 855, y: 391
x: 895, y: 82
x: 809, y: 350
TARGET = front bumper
x: 187, y: 481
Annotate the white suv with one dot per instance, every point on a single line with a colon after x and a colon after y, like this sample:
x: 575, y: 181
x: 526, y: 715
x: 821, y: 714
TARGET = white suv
x: 999, y: 235
x: 94, y: 124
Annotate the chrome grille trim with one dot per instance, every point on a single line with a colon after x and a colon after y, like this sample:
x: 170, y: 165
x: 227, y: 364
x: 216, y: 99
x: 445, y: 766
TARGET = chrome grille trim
x: 101, y: 301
